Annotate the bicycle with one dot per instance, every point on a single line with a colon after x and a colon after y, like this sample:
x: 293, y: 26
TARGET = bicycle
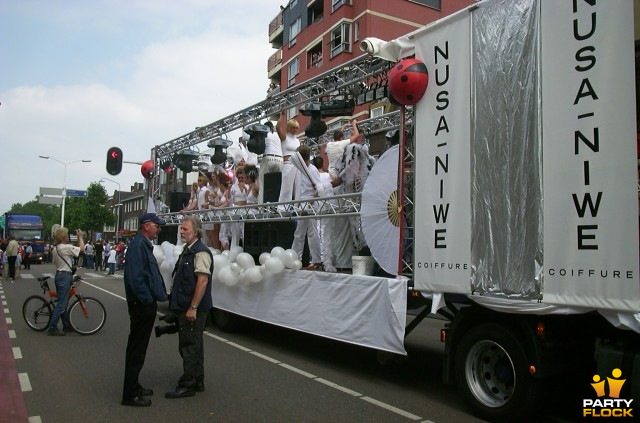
x: 87, y: 315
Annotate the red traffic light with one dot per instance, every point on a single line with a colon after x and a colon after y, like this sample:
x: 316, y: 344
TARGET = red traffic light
x: 114, y: 161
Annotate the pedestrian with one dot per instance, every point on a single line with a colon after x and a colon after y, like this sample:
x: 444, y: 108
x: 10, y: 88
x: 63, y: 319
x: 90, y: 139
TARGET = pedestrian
x: 63, y: 255
x: 111, y: 261
x: 191, y: 302
x: 28, y: 252
x: 99, y: 254
x: 144, y: 287
x: 12, y: 254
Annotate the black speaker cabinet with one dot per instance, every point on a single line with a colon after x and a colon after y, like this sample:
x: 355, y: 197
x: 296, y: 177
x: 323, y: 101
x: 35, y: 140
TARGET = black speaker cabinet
x: 178, y: 201
x: 271, y: 188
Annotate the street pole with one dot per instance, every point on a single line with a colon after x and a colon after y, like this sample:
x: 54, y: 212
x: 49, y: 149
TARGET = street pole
x: 64, y: 184
x: 118, y: 206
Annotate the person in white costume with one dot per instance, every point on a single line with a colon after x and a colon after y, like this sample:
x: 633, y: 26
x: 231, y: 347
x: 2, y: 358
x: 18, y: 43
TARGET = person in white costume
x: 337, y: 239
x: 309, y: 186
x: 287, y: 131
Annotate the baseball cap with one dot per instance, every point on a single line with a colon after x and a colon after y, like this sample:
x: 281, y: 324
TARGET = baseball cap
x: 151, y: 217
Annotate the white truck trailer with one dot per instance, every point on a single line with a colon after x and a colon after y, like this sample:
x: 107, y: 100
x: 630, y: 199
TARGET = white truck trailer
x: 517, y: 217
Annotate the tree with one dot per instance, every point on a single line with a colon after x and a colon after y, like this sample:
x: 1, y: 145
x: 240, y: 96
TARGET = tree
x: 90, y: 213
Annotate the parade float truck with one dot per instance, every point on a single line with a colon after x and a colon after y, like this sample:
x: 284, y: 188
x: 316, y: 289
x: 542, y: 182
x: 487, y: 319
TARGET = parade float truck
x: 517, y: 219
x: 26, y: 228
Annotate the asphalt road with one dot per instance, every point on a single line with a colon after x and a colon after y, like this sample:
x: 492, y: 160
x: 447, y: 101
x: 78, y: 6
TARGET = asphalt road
x: 263, y: 373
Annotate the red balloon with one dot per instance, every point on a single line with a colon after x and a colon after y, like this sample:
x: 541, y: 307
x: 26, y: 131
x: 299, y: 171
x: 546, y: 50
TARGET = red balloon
x: 147, y: 169
x: 408, y: 80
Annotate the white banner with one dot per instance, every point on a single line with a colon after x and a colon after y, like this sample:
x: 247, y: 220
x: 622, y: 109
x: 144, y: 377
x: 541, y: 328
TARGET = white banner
x: 590, y: 165
x: 442, y: 212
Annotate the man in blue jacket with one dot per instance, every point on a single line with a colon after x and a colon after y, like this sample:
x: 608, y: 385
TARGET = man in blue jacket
x: 144, y: 287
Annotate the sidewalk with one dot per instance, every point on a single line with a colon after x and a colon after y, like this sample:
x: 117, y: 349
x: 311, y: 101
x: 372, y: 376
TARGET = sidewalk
x: 12, y: 404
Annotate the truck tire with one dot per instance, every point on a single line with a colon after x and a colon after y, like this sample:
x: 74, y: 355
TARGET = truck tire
x: 492, y: 371
x: 226, y: 321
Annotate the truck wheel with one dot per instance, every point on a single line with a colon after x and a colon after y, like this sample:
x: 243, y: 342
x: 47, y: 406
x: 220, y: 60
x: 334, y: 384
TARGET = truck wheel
x: 492, y: 370
x: 226, y: 321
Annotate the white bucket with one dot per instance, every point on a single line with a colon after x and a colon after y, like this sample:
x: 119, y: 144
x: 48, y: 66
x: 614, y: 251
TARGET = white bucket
x: 362, y: 265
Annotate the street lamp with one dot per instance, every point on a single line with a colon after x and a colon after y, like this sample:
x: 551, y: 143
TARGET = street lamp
x: 64, y: 185
x: 117, y: 205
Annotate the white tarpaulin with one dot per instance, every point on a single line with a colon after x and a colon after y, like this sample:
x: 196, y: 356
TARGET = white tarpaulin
x: 362, y: 310
x: 590, y: 167
x: 443, y: 223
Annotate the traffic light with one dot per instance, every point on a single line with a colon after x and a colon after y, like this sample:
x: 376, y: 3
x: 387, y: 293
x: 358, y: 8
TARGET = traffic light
x: 114, y: 161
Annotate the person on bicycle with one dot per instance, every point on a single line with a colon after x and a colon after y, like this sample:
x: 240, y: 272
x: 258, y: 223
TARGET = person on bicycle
x: 63, y: 255
x: 191, y: 302
x: 144, y: 287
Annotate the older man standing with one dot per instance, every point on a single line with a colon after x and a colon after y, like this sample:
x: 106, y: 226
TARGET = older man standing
x: 144, y: 287
x: 191, y: 301
x: 12, y: 255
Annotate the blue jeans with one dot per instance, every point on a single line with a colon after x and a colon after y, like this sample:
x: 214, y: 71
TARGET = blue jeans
x: 63, y: 285
x: 112, y: 268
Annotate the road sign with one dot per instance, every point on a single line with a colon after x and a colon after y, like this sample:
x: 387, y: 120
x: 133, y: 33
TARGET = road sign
x: 50, y: 191
x: 76, y: 193
x: 49, y: 200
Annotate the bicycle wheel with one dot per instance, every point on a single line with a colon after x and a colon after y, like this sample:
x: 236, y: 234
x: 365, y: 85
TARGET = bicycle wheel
x: 36, y: 312
x: 87, y: 315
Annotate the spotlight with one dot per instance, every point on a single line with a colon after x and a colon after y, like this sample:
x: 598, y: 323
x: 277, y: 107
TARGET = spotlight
x: 166, y: 165
x: 316, y: 127
x: 220, y: 146
x: 184, y: 160
x: 257, y: 134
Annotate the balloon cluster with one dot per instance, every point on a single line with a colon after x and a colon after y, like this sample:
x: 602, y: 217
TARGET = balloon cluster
x: 233, y: 266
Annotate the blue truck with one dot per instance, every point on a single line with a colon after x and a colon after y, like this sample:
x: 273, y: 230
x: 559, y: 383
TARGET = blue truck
x: 26, y: 228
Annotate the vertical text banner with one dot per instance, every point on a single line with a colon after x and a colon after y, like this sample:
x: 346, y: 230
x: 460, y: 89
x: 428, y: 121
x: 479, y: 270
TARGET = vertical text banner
x: 590, y: 165
x: 442, y: 127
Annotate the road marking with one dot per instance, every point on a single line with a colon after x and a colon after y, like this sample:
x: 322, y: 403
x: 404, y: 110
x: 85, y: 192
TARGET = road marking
x: 4, y: 303
x: 391, y: 408
x: 6, y: 311
x: 25, y: 384
x: 265, y: 357
x: 325, y: 382
x: 104, y: 290
x: 27, y: 276
x: 339, y: 387
x: 17, y: 353
x: 12, y: 334
x: 9, y: 320
x: 298, y: 371
x: 35, y: 419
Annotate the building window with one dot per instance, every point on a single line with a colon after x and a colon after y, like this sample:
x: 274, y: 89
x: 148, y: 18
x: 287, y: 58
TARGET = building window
x: 356, y: 30
x: 340, y: 39
x: 336, y: 4
x: 376, y: 111
x: 294, y: 30
x: 293, y: 4
x: 314, y: 56
x: 430, y: 3
x: 294, y: 67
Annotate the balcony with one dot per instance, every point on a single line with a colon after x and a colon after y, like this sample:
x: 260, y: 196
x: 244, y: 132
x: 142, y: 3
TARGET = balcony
x: 276, y: 31
x: 274, y: 65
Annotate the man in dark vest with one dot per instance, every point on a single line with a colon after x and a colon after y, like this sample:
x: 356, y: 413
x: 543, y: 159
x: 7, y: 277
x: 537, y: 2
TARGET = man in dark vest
x: 191, y: 302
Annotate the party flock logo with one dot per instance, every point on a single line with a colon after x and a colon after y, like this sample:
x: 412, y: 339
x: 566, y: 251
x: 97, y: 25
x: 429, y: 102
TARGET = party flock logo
x: 613, y: 406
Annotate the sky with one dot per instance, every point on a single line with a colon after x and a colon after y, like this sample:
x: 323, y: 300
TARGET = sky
x: 78, y: 77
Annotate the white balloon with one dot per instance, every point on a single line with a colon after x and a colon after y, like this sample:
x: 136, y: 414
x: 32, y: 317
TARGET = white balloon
x: 245, y: 260
x: 288, y: 257
x: 253, y: 274
x: 263, y: 257
x: 233, y: 253
x: 242, y: 277
x: 235, y: 267
x: 214, y: 251
x: 219, y: 262
x: 177, y: 250
x: 225, y: 253
x: 158, y: 253
x: 274, y: 265
x: 228, y: 277
x: 297, y: 265
x: 263, y: 270
x: 277, y: 251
